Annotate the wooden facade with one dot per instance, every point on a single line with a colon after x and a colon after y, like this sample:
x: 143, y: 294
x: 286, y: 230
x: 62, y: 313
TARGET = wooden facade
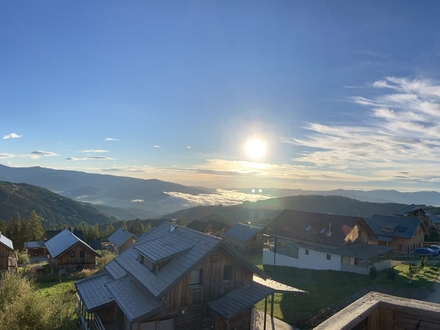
x: 127, y: 244
x: 254, y: 244
x: 405, y: 245
x: 77, y: 257
x: 187, y: 305
x: 4, y: 256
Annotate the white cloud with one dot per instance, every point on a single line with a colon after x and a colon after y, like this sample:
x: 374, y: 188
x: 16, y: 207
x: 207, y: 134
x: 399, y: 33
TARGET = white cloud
x: 93, y: 151
x: 111, y: 139
x: 90, y: 158
x: 188, y: 147
x: 12, y: 136
x: 137, y: 201
x: 223, y: 197
x: 44, y: 153
x: 399, y: 132
x: 156, y: 146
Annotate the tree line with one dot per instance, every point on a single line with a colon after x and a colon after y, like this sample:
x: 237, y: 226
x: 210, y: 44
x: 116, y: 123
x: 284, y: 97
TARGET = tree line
x: 21, y: 229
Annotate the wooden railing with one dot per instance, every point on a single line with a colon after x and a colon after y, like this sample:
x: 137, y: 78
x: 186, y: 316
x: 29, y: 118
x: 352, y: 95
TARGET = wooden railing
x: 97, y: 324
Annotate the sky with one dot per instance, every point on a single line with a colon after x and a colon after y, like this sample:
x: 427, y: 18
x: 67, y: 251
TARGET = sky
x: 334, y: 94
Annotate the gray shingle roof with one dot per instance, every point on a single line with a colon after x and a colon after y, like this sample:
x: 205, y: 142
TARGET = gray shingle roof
x: 93, y: 291
x: 6, y: 241
x: 133, y: 301
x: 120, y: 236
x: 407, y: 209
x: 162, y: 248
x: 242, y: 232
x: 34, y: 244
x: 239, y: 300
x: 139, y: 291
x: 405, y: 227
x: 314, y: 227
x: 64, y: 241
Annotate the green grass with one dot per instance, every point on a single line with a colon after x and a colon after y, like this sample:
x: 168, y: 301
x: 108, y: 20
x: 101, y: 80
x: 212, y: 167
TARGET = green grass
x: 326, y: 287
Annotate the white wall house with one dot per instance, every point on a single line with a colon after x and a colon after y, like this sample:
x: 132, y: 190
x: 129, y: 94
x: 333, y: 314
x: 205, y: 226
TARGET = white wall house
x: 321, y: 241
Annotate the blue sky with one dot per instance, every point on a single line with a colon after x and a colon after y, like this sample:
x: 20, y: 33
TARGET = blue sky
x: 344, y: 94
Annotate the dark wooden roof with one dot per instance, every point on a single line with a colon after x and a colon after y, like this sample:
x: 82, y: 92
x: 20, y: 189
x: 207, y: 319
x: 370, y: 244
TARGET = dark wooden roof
x: 319, y: 228
x: 198, y: 225
x: 242, y: 232
x: 398, y: 227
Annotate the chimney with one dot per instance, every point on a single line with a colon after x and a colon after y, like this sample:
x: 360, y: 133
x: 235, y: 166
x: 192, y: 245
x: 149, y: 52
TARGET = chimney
x: 173, y: 224
x: 329, y: 229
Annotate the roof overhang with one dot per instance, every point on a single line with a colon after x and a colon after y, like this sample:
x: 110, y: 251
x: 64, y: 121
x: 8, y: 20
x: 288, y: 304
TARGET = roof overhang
x: 243, y: 298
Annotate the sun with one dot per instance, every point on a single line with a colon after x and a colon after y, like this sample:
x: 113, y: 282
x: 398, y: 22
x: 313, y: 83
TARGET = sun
x: 255, y: 148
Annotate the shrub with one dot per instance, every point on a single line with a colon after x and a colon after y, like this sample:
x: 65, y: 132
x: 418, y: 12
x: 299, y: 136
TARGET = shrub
x: 373, y: 273
x: 391, y: 274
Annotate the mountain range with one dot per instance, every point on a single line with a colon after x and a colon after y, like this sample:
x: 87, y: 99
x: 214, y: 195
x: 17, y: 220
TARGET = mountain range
x: 130, y: 198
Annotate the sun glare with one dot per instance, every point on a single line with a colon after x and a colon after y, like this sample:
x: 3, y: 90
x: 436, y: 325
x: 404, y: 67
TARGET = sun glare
x: 255, y: 148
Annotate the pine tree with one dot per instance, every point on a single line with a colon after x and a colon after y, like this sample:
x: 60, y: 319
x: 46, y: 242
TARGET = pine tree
x: 36, y: 228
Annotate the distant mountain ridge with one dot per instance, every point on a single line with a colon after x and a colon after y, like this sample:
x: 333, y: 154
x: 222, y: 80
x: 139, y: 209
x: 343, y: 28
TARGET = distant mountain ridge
x: 20, y: 199
x: 108, y: 190
x: 261, y: 211
x: 376, y: 196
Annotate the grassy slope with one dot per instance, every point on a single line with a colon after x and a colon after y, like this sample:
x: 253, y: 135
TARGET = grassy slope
x: 327, y: 287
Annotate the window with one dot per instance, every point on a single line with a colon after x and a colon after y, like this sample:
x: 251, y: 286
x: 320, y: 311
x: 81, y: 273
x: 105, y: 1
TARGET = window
x: 81, y: 254
x: 282, y: 244
x: 196, y: 277
x: 227, y: 273
x: 72, y: 254
x: 307, y: 252
x: 329, y: 256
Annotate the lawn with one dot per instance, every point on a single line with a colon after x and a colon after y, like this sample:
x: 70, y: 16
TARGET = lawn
x: 327, y: 287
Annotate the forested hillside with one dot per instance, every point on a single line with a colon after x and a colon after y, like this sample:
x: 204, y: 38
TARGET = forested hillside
x: 54, y: 210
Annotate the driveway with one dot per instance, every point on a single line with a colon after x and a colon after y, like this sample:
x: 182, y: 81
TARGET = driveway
x: 271, y: 323
x: 435, y: 292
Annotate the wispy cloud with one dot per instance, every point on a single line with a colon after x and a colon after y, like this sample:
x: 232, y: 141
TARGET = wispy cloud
x: 44, y: 153
x: 156, y: 146
x: 93, y: 151
x: 188, y: 147
x: 89, y: 158
x: 111, y: 139
x: 33, y: 155
x: 12, y: 136
x: 400, y: 131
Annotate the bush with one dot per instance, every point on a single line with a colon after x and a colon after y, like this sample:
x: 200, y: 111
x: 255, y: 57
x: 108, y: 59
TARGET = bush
x: 391, y: 274
x: 373, y: 273
x: 105, y: 259
x: 22, y: 258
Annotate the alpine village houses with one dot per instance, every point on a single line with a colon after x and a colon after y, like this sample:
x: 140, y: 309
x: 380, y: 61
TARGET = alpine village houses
x: 175, y: 278
x: 68, y: 253
x: 322, y: 241
x: 6, y: 254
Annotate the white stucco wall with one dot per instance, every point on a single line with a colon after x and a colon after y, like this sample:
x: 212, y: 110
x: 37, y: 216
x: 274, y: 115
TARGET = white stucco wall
x: 315, y: 260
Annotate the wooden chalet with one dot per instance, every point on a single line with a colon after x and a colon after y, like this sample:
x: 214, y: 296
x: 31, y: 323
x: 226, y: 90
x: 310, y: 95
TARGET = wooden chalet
x: 175, y: 278
x: 121, y: 240
x: 6, y: 253
x: 68, y: 253
x: 245, y: 238
x: 211, y: 227
x: 403, y: 234
x: 322, y: 241
x: 376, y: 311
